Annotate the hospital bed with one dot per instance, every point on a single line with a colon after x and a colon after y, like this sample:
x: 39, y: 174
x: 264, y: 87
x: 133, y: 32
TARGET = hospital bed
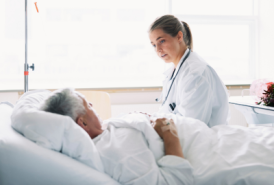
x: 24, y: 162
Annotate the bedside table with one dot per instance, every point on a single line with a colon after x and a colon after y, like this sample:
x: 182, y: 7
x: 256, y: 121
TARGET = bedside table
x: 258, y: 115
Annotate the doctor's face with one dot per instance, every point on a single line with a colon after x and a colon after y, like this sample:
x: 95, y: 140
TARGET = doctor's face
x: 166, y: 46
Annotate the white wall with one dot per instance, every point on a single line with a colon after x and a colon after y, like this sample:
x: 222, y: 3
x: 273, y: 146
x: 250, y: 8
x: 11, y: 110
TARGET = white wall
x: 127, y: 102
x: 9, y: 96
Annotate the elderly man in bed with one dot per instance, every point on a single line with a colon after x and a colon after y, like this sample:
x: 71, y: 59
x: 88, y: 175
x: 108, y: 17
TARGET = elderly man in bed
x: 131, y: 152
x: 134, y: 152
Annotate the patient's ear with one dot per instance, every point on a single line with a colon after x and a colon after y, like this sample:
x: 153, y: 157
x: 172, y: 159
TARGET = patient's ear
x: 80, y: 122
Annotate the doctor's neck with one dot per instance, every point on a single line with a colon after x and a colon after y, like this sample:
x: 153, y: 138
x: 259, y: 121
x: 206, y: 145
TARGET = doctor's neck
x: 180, y: 55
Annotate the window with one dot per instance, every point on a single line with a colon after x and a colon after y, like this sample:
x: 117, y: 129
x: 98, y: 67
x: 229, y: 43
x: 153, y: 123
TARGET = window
x: 224, y: 34
x: 105, y: 44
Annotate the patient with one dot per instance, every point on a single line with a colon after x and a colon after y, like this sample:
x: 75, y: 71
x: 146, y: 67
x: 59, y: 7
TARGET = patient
x: 125, y: 152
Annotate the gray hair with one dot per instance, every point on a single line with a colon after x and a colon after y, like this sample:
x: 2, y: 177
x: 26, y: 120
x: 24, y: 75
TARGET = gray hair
x: 172, y: 25
x: 65, y: 102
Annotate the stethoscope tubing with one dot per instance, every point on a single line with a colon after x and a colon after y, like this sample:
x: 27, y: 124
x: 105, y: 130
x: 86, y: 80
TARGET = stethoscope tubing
x: 176, y: 76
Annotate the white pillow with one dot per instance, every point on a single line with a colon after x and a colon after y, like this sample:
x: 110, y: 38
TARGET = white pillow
x: 24, y: 162
x: 53, y: 131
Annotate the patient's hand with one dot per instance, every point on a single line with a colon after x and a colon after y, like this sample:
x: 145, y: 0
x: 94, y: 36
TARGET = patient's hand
x: 159, y: 125
x: 171, y: 141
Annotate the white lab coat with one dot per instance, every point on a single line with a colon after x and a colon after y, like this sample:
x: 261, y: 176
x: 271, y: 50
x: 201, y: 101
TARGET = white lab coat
x: 197, y: 91
x: 135, y: 155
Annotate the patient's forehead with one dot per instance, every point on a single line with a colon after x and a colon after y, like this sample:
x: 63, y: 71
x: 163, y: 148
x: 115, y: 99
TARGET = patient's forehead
x: 79, y: 94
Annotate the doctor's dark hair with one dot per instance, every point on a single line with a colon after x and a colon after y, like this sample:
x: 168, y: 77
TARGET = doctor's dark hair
x: 172, y: 25
x: 66, y: 102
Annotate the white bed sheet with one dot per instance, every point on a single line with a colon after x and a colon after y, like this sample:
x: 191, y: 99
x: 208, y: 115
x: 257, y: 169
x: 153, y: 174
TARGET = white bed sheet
x: 228, y: 154
x: 224, y: 154
x: 24, y: 162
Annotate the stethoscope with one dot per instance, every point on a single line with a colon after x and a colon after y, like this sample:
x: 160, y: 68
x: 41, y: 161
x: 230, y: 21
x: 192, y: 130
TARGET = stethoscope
x: 173, y: 105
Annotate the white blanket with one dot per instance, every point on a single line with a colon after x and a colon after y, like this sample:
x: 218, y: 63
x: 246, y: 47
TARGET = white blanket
x: 133, y: 153
x: 218, y: 155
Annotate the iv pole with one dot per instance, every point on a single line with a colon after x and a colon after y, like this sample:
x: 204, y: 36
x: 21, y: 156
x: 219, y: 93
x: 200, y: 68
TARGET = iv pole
x: 26, y: 66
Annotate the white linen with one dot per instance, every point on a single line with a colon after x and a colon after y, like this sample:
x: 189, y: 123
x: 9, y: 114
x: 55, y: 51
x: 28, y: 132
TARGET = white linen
x: 141, y: 122
x: 53, y: 131
x: 23, y: 162
x: 134, y: 155
x: 222, y: 154
x: 197, y: 91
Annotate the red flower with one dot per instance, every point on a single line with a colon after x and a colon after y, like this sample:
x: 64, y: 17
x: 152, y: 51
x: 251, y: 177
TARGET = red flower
x: 270, y: 87
x: 268, y: 97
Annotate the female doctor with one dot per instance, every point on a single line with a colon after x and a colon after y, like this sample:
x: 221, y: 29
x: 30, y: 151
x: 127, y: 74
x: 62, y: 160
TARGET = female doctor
x: 191, y: 88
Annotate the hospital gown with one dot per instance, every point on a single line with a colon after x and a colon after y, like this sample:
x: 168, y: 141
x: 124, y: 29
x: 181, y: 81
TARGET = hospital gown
x: 127, y: 158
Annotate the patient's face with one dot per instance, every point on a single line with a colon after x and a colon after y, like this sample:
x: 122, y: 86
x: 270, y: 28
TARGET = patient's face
x: 91, y: 120
x: 91, y: 114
